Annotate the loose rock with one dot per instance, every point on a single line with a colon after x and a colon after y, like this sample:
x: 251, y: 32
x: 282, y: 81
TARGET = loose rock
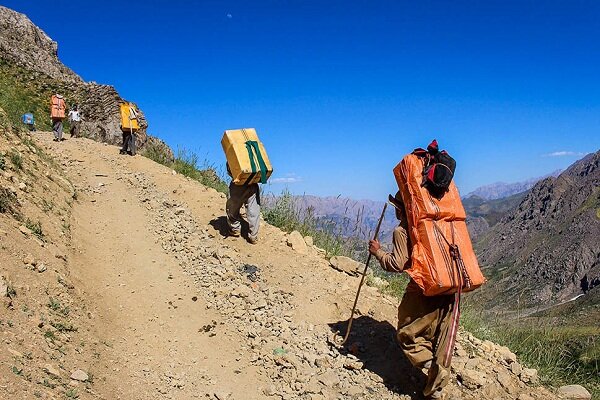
x: 80, y: 376
x: 296, y: 242
x: 346, y: 264
x: 574, y: 392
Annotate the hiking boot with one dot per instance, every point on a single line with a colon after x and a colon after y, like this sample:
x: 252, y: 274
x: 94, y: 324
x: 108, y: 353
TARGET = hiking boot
x: 234, y: 233
x: 252, y: 240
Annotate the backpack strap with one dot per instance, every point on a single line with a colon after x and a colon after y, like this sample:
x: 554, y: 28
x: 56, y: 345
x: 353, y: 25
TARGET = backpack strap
x: 253, y: 148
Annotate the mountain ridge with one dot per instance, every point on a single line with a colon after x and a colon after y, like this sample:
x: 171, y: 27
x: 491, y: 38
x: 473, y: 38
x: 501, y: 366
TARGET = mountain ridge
x: 499, y: 190
x: 548, y: 243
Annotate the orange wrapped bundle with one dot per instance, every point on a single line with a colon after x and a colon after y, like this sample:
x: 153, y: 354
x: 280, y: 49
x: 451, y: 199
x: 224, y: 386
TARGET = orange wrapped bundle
x: 433, y: 267
x: 57, y: 107
x: 409, y: 175
x: 442, y: 257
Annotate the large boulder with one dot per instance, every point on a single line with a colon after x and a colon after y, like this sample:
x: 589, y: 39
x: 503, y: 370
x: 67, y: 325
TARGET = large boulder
x: 346, y: 264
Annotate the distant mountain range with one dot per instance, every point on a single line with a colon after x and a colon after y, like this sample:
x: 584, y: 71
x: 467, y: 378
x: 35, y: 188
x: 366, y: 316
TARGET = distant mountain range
x: 500, y: 190
x: 485, y: 206
x: 357, y: 218
x: 536, y: 246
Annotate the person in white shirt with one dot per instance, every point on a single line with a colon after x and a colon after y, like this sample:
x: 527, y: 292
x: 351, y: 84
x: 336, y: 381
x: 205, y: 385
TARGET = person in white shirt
x: 75, y: 120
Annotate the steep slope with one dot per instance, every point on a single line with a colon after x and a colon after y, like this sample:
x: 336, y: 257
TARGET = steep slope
x: 31, y: 72
x: 43, y: 315
x: 483, y: 214
x: 546, y: 250
x: 179, y: 311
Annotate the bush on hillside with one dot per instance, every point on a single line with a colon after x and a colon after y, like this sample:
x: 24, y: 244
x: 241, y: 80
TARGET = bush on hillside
x: 563, y: 355
x: 22, y: 91
x: 186, y: 163
x: 284, y: 212
x: 157, y: 151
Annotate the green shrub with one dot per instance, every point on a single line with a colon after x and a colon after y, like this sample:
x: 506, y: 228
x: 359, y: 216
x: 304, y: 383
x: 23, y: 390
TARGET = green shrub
x: 2, y: 162
x: 35, y: 228
x: 157, y: 154
x: 284, y: 212
x: 186, y: 163
x: 16, y: 159
x: 8, y: 201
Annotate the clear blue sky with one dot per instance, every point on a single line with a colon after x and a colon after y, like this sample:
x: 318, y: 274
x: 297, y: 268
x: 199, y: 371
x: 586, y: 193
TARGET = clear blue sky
x: 339, y: 91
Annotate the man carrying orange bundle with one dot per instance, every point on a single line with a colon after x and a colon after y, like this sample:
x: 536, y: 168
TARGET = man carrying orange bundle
x: 423, y: 321
x: 432, y: 245
x: 57, y: 114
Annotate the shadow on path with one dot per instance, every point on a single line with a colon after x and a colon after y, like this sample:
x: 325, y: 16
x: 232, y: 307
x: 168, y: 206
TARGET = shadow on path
x: 374, y: 343
x: 220, y: 224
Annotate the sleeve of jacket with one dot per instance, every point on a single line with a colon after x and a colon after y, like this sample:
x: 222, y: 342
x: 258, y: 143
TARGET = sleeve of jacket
x: 397, y: 260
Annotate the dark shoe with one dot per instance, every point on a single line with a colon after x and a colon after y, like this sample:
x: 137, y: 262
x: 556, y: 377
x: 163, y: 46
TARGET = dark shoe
x: 234, y: 233
x: 252, y: 240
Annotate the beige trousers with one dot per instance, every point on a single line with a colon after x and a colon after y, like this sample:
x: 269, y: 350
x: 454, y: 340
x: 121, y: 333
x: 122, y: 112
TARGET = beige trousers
x: 423, y: 328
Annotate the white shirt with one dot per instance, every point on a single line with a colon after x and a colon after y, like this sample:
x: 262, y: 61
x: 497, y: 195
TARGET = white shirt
x: 74, y: 116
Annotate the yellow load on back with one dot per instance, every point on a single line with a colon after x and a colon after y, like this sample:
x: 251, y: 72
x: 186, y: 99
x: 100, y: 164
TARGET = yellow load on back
x: 246, y: 156
x: 129, y: 118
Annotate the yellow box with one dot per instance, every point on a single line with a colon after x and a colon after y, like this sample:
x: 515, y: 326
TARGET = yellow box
x: 129, y: 117
x: 246, y: 156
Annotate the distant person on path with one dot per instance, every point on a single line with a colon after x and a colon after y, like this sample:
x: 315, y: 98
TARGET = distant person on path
x: 248, y: 196
x: 29, y: 121
x: 57, y: 114
x: 423, y: 321
x: 129, y: 120
x: 75, y: 120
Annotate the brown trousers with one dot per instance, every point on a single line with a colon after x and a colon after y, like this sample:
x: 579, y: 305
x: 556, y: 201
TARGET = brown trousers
x: 423, y: 333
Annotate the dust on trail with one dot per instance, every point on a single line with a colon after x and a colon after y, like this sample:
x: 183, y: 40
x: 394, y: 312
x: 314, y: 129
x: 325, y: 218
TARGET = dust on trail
x: 182, y: 315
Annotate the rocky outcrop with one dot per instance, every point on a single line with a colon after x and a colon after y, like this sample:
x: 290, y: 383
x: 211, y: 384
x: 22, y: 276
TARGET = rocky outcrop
x: 24, y: 45
x: 547, y: 248
x: 99, y: 105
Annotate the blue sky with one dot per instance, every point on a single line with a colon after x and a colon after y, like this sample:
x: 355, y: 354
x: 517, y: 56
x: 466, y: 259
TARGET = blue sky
x: 339, y: 91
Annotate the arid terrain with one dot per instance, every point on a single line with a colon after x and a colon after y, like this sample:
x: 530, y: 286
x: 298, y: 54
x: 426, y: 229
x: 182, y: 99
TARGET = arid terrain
x: 131, y: 291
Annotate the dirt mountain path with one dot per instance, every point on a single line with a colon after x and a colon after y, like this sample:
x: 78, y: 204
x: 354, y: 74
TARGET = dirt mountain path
x: 185, y: 312
x: 145, y: 312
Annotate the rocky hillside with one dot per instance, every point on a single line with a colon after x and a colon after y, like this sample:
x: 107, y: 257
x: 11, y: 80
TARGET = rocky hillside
x: 546, y: 250
x: 31, y: 72
x: 118, y: 283
x: 483, y: 214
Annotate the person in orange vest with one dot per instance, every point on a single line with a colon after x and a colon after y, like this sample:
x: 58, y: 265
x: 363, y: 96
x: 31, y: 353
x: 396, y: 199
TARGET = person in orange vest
x: 57, y: 114
x: 423, y: 321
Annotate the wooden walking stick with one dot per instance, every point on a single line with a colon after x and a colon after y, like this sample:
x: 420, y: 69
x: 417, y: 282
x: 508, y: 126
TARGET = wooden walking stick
x: 375, y: 236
